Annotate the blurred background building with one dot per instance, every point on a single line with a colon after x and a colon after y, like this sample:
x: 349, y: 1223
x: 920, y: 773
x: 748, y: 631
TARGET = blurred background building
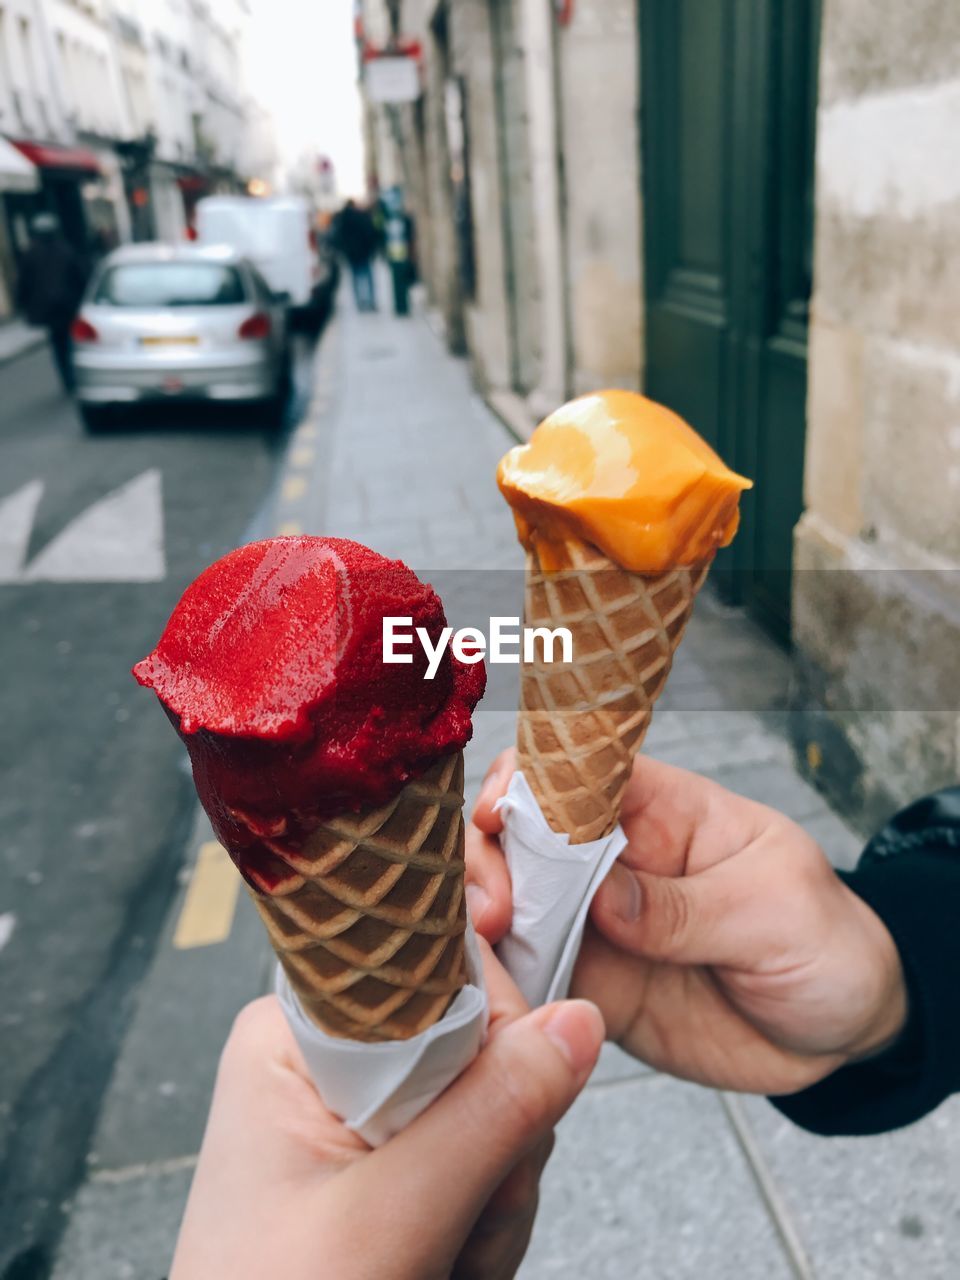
x: 749, y: 212
x: 118, y: 115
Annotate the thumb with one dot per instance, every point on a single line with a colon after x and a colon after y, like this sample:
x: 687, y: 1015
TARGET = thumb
x: 680, y: 919
x: 461, y: 1148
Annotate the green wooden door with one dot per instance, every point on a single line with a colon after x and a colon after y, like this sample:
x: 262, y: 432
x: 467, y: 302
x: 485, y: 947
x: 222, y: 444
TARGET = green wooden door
x: 729, y: 99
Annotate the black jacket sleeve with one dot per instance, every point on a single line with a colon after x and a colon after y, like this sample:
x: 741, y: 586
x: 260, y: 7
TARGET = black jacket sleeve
x: 910, y: 875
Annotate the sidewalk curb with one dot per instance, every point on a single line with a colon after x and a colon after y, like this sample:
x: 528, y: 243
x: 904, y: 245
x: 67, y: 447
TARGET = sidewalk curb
x: 512, y: 411
x: 293, y: 506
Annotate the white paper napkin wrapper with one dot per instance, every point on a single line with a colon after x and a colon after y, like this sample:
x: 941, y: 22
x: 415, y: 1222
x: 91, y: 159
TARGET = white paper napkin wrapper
x: 553, y: 885
x: 378, y: 1089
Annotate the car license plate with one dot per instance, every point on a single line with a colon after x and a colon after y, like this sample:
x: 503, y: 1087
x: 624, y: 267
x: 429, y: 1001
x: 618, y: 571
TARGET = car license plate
x: 171, y: 340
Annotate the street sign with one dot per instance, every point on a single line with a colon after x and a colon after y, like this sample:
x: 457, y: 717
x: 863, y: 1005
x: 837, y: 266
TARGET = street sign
x: 392, y: 79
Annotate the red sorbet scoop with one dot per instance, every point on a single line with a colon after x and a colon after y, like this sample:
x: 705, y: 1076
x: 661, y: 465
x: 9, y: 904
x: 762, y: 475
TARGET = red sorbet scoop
x: 271, y: 668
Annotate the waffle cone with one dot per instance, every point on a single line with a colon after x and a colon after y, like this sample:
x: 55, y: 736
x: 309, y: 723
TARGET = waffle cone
x: 369, y: 926
x: 581, y: 723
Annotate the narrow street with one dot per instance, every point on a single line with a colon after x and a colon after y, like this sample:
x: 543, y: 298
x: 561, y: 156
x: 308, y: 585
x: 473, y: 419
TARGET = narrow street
x: 94, y: 801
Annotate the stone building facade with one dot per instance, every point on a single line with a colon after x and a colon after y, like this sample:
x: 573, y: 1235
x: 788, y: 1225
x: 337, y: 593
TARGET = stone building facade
x: 545, y: 117
x: 536, y: 161
x: 876, y: 622
x: 128, y: 110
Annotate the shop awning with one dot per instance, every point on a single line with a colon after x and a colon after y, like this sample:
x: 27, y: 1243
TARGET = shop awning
x: 16, y: 171
x: 73, y: 159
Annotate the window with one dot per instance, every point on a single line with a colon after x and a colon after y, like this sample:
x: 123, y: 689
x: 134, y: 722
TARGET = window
x: 263, y: 291
x: 28, y: 66
x: 170, y: 284
x: 5, y: 81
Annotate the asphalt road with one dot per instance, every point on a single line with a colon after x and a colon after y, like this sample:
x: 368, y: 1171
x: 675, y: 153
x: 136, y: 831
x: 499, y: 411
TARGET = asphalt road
x: 95, y: 801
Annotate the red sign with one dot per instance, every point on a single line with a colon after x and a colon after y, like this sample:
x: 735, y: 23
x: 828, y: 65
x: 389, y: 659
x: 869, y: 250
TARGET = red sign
x: 402, y: 49
x: 50, y: 157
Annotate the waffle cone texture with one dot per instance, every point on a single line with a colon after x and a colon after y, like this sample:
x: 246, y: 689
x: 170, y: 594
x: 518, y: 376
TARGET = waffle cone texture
x: 581, y: 723
x: 369, y: 926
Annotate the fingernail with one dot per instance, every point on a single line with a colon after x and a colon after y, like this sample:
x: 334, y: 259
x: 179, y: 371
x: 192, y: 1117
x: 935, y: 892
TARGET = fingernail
x: 568, y: 1025
x: 477, y: 901
x: 623, y: 894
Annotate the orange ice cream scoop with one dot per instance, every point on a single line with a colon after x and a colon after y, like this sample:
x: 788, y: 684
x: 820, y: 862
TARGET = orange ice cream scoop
x: 626, y: 474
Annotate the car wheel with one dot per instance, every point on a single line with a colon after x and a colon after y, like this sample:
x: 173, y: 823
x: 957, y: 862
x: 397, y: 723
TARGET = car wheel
x: 285, y: 383
x: 95, y: 418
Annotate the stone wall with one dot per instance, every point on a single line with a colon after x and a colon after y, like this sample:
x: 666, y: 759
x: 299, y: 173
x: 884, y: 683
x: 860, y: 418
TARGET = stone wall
x: 599, y: 96
x: 458, y: 46
x: 437, y: 236
x: 877, y: 552
x: 555, y: 189
x: 486, y: 314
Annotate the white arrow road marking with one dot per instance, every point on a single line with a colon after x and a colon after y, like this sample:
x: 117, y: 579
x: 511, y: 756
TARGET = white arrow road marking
x: 118, y: 539
x: 7, y: 922
x: 16, y: 521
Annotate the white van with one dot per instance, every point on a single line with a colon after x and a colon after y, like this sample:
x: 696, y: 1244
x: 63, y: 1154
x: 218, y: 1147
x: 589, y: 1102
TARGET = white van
x: 277, y: 236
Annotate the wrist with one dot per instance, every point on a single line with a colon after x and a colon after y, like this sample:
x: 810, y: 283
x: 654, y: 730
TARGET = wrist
x: 886, y: 1006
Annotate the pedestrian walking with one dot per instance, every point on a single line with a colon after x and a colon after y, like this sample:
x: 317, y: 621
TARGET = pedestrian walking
x: 400, y: 257
x: 51, y: 283
x: 355, y: 236
x: 399, y: 251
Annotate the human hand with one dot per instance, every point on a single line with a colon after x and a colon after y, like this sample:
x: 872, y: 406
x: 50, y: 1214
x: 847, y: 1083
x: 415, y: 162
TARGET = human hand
x: 282, y: 1187
x: 722, y: 946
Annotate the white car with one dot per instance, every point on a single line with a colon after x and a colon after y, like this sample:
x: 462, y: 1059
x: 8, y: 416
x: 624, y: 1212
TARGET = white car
x: 277, y: 235
x: 179, y: 323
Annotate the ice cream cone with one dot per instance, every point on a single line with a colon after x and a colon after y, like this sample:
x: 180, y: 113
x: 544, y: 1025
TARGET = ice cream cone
x: 369, y: 924
x: 581, y: 723
x: 333, y: 778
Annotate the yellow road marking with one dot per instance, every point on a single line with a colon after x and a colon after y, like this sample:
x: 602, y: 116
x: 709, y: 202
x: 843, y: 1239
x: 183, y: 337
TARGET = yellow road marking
x: 289, y: 527
x: 294, y: 487
x: 307, y: 432
x: 206, y: 916
x: 302, y: 456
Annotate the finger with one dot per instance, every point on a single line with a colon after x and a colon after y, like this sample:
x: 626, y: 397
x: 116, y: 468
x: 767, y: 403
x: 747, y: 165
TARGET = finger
x: 261, y: 1059
x: 461, y: 1148
x: 259, y: 1044
x: 677, y: 821
x: 503, y: 995
x: 495, y: 784
x: 614, y: 979
x: 489, y: 891
x: 742, y: 913
x: 498, y: 1241
x: 267, y: 1127
x: 661, y: 810
x: 681, y: 919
